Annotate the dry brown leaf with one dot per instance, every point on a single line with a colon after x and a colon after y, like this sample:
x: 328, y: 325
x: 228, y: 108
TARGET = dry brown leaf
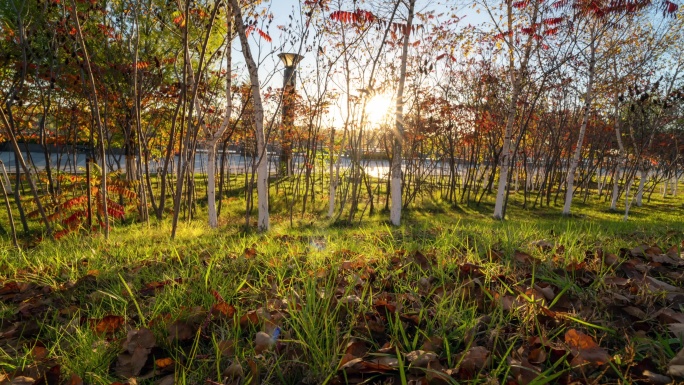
x: 433, y: 344
x: 250, y: 252
x: 75, y: 380
x: 658, y: 285
x: 673, y: 252
x: 224, y: 309
x: 537, y: 356
x: 162, y: 363
x: 675, y: 367
x: 585, y: 349
x: 524, y: 372
x: 227, y: 348
x: 420, y: 358
x: 677, y: 330
x: 523, y: 257
x: 635, y: 312
x: 669, y: 316
x: 22, y: 380
x: 108, y: 324
x: 181, y: 331
x: 381, y: 364
x: 471, y: 362
x: 655, y: 378
x: 234, y: 371
x: 39, y: 352
x: 250, y: 318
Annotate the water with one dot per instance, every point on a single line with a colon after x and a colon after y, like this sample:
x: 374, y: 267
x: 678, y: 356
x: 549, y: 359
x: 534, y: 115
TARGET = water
x: 234, y: 163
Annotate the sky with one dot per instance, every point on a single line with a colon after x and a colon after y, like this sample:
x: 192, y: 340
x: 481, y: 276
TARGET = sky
x: 270, y: 67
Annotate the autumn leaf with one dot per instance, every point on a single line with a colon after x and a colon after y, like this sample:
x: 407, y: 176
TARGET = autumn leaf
x: 585, y: 350
x: 108, y: 324
x: 163, y: 362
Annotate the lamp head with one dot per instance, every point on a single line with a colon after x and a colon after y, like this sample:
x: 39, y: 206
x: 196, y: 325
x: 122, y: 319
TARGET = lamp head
x: 290, y: 59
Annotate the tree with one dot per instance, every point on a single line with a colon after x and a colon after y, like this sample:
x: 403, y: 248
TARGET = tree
x: 395, y: 213
x: 262, y: 157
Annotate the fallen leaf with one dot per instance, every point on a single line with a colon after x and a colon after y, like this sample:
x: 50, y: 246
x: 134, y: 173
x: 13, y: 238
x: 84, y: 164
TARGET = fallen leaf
x: 471, y: 362
x: 250, y: 252
x: 162, y: 363
x: 537, y: 356
x: 658, y: 285
x: 22, y: 380
x: 39, y: 352
x: 108, y: 324
x: 227, y: 348
x: 75, y: 380
x: 420, y: 358
x: 433, y: 344
x: 254, y: 372
x: 585, y: 349
x: 181, y: 331
x: 675, y: 367
x: 234, y: 371
x: 249, y: 318
x: 677, y: 330
x: 381, y: 364
x: 655, y: 378
x: 224, y: 309
x: 166, y: 380
x: 522, y: 257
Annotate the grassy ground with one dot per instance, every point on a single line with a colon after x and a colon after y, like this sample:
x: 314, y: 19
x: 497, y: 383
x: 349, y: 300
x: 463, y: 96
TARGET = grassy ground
x: 451, y: 296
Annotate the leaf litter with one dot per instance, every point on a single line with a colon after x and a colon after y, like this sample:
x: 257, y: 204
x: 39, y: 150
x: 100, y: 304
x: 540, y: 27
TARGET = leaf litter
x: 583, y: 322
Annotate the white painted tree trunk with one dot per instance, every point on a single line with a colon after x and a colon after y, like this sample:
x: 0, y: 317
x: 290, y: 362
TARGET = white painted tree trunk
x: 395, y: 183
x: 616, y: 185
x: 211, y: 185
x: 333, y: 180
x: 570, y: 178
x: 642, y: 183
x: 627, y: 200
x: 676, y: 184
x: 516, y: 82
x: 517, y: 173
x: 262, y: 162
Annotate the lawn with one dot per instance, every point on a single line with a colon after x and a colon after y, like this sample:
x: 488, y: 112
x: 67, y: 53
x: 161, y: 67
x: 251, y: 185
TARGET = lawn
x: 450, y: 297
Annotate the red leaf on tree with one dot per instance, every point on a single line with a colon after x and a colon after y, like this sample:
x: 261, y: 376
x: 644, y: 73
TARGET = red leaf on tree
x: 669, y: 8
x: 527, y: 30
x: 553, y: 21
x: 551, y: 31
x: 264, y: 35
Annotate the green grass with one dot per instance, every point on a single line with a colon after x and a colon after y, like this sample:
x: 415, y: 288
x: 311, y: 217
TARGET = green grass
x: 328, y: 286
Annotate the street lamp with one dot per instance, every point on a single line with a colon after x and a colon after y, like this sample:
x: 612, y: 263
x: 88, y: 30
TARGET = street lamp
x: 290, y: 60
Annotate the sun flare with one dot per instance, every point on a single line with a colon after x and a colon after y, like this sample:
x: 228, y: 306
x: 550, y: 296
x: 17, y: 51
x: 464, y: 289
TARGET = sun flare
x: 378, y: 108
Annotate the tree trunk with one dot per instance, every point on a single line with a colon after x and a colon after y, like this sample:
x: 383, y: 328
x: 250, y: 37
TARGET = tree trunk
x: 262, y: 162
x: 395, y: 184
x: 20, y: 160
x: 6, y: 188
x: 211, y: 185
x: 516, y: 81
x: 98, y: 122
x: 216, y: 136
x: 642, y: 183
x: 570, y: 179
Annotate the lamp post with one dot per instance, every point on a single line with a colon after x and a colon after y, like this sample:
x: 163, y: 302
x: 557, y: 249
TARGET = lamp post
x: 290, y: 60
